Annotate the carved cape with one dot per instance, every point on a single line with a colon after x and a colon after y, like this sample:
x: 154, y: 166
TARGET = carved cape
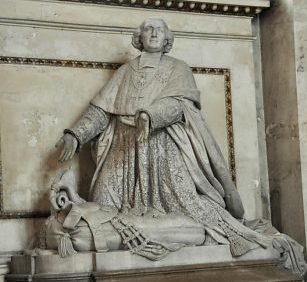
x: 175, y: 84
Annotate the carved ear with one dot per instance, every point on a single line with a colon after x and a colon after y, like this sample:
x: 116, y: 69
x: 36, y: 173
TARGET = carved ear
x: 136, y: 40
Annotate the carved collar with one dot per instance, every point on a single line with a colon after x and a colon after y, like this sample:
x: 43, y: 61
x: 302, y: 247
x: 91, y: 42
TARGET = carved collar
x: 149, y: 60
x: 165, y: 65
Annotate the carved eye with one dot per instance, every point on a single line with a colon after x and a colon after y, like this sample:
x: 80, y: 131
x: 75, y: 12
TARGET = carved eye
x: 148, y: 29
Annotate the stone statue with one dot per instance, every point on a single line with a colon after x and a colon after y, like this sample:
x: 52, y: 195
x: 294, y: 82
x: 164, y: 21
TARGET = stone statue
x: 156, y: 159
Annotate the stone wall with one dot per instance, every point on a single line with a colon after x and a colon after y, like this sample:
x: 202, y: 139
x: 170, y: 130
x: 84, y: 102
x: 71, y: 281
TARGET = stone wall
x: 67, y: 43
x: 283, y: 35
x: 300, y: 31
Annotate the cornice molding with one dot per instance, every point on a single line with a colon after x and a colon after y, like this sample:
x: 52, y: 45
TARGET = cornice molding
x: 116, y: 30
x: 204, y: 7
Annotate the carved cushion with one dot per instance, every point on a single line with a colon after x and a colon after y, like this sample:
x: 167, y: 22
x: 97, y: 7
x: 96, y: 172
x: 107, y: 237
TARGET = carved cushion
x: 101, y: 236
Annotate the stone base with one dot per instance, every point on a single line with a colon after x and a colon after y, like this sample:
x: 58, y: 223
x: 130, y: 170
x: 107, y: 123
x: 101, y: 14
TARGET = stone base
x: 256, y: 271
x: 213, y: 263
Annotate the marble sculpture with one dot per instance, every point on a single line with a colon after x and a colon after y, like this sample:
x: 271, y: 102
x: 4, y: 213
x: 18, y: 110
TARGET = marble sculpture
x: 161, y: 182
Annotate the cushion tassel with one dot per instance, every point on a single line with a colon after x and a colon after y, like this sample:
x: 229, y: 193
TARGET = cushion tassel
x: 66, y: 247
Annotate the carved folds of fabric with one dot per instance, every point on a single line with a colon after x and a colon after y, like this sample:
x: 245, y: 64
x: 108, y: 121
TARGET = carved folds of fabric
x: 172, y: 78
x: 164, y: 112
x: 93, y: 122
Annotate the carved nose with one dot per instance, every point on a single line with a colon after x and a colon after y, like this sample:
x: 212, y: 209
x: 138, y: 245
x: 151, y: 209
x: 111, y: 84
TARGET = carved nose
x: 154, y: 32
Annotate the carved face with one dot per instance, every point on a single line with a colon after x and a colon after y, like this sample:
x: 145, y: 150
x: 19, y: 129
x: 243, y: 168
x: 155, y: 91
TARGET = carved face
x: 153, y: 35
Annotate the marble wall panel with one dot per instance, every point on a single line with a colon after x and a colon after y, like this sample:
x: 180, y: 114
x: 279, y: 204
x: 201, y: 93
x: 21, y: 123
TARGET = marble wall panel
x: 18, y: 234
x: 214, y: 108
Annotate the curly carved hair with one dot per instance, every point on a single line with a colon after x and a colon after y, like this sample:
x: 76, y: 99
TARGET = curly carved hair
x: 138, y: 44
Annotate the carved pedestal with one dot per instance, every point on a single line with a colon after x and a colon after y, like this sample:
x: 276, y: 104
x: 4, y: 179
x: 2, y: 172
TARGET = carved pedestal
x: 257, y: 271
x: 211, y: 264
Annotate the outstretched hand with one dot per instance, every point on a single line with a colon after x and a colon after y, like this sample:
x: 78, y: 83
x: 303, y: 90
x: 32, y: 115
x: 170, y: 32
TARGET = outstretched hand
x: 142, y: 125
x: 70, y: 144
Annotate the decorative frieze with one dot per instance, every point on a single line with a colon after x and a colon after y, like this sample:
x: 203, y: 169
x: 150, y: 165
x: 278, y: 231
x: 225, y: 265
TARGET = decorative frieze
x: 182, y: 6
x: 58, y: 63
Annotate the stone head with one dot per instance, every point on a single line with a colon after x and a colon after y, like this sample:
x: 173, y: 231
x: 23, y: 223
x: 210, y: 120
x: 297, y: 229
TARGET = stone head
x: 153, y: 35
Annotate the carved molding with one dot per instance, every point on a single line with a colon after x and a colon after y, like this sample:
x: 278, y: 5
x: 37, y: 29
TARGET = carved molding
x: 113, y: 66
x: 58, y: 63
x: 181, y: 6
x: 117, y: 30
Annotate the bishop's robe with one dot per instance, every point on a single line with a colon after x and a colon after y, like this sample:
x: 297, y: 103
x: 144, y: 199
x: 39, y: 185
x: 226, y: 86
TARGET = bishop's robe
x: 179, y: 169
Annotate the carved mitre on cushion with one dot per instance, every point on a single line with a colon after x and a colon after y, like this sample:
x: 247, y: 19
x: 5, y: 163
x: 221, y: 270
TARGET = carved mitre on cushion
x: 64, y: 191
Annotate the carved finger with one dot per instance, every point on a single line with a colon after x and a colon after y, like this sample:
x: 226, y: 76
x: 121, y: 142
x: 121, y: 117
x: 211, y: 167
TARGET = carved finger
x: 61, y: 158
x: 71, y: 153
x: 68, y: 154
x: 69, y: 149
x: 64, y: 157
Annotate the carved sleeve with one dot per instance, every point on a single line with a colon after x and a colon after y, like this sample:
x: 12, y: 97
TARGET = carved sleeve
x: 164, y: 113
x: 92, y: 122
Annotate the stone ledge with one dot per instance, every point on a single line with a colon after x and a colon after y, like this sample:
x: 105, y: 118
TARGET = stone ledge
x: 125, y: 260
x: 252, y: 271
x: 115, y: 261
x: 205, y: 263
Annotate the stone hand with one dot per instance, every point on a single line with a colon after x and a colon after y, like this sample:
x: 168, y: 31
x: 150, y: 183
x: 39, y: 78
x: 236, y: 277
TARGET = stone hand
x: 70, y: 144
x: 142, y: 125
